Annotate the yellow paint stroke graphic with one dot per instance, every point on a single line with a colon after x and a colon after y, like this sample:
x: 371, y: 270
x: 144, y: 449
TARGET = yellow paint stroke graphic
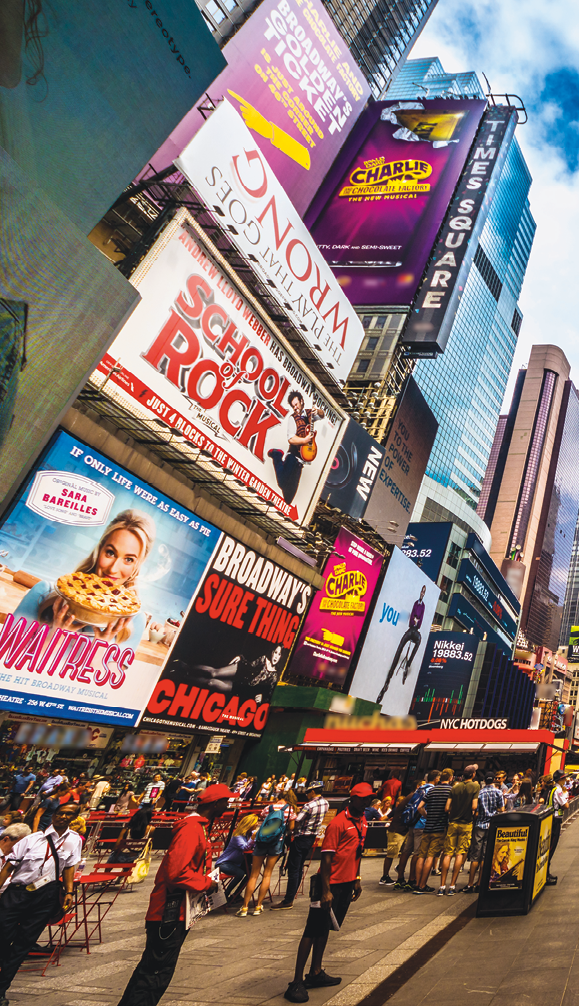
x: 275, y: 134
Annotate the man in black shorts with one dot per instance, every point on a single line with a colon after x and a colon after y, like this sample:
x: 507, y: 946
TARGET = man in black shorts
x: 339, y: 884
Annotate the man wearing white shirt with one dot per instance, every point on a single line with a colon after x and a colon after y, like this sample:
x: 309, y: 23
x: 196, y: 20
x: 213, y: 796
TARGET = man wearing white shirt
x: 32, y: 897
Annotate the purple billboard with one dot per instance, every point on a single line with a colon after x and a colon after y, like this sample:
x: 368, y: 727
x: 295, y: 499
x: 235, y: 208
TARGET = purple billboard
x: 291, y: 77
x: 333, y: 624
x: 378, y: 213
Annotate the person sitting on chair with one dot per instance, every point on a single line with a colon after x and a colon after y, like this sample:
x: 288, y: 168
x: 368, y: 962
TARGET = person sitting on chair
x: 412, y: 634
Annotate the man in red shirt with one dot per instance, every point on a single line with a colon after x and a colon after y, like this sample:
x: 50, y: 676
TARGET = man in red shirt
x: 339, y: 884
x: 185, y: 867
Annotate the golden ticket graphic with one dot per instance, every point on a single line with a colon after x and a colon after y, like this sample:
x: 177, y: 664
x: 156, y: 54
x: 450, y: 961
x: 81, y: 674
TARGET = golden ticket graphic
x: 509, y: 855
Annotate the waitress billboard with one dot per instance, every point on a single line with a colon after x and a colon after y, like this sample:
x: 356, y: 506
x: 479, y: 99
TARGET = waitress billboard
x: 99, y: 569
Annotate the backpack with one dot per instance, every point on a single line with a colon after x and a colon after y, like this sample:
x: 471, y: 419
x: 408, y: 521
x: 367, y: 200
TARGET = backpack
x: 410, y: 815
x: 273, y: 828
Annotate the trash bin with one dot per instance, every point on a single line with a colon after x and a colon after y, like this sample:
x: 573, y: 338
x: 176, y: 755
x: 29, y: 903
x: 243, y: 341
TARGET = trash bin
x: 516, y: 861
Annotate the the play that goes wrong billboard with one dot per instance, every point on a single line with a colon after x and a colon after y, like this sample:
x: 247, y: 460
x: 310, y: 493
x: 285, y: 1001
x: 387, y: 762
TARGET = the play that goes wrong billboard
x: 379, y: 210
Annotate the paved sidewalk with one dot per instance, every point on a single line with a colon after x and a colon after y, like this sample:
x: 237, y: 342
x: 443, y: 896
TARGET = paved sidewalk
x: 247, y: 962
x: 519, y: 961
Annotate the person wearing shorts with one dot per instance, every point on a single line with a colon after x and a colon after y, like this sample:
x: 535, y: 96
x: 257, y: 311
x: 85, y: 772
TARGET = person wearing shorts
x: 266, y: 854
x: 490, y: 802
x: 396, y: 837
x: 339, y: 885
x: 461, y: 808
x: 434, y: 805
x: 414, y: 837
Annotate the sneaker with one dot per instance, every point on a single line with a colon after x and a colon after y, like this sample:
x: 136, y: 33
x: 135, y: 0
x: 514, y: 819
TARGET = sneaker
x: 296, y: 992
x: 436, y: 873
x: 386, y: 882
x: 441, y: 892
x: 258, y: 910
x: 280, y: 905
x: 409, y: 887
x: 428, y: 889
x: 320, y: 981
x: 469, y: 889
x: 242, y: 913
x: 451, y: 891
x: 399, y: 885
x: 420, y: 890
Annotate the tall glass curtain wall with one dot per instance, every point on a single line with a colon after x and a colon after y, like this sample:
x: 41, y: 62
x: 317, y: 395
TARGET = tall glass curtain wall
x: 466, y: 385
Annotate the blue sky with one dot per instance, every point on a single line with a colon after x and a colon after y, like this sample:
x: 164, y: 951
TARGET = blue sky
x: 530, y: 48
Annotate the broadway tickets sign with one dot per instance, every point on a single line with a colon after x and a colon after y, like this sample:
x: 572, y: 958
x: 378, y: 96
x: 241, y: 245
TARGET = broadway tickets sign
x: 337, y: 614
x: 233, y: 178
x: 79, y: 522
x: 291, y: 76
x: 196, y: 356
x: 233, y: 646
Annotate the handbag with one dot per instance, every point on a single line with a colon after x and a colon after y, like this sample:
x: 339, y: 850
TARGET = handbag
x: 58, y: 915
x: 142, y: 865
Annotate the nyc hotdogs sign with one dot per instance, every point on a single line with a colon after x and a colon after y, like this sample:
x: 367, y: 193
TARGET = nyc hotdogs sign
x: 195, y: 355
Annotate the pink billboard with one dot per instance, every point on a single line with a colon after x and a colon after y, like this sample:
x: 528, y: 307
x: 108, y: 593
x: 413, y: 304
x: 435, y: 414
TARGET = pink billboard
x: 291, y: 76
x: 333, y: 624
x: 378, y: 213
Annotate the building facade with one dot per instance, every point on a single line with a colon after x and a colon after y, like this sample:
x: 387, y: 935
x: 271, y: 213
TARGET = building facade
x: 533, y: 497
x: 467, y: 400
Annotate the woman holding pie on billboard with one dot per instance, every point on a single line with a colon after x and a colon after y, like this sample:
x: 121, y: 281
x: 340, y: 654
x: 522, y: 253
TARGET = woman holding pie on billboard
x: 100, y: 598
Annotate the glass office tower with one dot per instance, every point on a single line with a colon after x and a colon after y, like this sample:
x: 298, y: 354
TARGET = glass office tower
x: 380, y: 34
x: 466, y: 384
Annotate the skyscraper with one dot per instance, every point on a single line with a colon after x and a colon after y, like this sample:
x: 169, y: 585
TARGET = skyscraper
x: 380, y: 34
x: 466, y: 384
x: 533, y: 497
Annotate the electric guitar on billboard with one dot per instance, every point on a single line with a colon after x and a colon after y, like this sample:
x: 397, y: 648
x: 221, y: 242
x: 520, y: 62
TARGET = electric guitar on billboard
x: 309, y: 451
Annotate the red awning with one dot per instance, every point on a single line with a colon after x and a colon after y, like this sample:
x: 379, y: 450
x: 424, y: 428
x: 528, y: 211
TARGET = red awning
x: 391, y: 741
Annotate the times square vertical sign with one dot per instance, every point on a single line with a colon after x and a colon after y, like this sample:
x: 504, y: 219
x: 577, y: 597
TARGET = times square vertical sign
x: 439, y: 296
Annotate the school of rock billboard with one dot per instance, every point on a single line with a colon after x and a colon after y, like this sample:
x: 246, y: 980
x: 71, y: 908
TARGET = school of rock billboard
x: 195, y: 355
x: 234, y: 179
x: 381, y: 205
x: 291, y: 76
x: 233, y: 646
x: 338, y: 612
x: 99, y: 568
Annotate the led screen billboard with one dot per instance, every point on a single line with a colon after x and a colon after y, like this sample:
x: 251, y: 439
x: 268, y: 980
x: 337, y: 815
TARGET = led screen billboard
x: 379, y: 210
x: 233, y: 646
x: 236, y: 183
x: 444, y: 677
x: 426, y: 545
x: 89, y: 90
x: 61, y: 305
x: 407, y: 450
x: 392, y: 654
x: 337, y: 614
x: 292, y: 78
x: 354, y: 470
x: 99, y: 569
x: 195, y: 356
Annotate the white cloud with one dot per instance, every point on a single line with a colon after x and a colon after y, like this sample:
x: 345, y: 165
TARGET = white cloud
x: 517, y: 44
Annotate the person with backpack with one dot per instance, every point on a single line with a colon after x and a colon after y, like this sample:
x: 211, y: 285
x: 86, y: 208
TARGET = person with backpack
x: 277, y: 821
x: 461, y: 807
x: 416, y: 819
x: 396, y: 837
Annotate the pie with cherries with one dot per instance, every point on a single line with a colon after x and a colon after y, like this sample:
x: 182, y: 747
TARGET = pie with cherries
x: 96, y: 599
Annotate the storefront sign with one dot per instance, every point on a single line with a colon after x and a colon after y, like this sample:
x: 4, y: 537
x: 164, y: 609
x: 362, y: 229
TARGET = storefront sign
x: 234, y: 180
x: 542, y: 864
x: 68, y: 647
x: 58, y: 735
x: 459, y: 723
x: 195, y: 356
x: 233, y: 646
x: 337, y: 614
x: 292, y: 78
x: 473, y: 579
x: 508, y: 858
x: 445, y: 675
x: 396, y: 640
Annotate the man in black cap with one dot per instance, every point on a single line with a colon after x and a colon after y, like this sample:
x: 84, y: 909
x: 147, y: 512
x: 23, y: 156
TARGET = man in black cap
x: 557, y: 799
x: 307, y: 827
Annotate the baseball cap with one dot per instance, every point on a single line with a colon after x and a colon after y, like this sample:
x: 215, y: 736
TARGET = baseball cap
x: 490, y: 777
x: 219, y: 791
x: 559, y: 775
x: 316, y: 784
x: 362, y: 789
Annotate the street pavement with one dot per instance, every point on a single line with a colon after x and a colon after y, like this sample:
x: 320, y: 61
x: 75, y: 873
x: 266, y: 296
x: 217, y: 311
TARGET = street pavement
x: 247, y: 962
